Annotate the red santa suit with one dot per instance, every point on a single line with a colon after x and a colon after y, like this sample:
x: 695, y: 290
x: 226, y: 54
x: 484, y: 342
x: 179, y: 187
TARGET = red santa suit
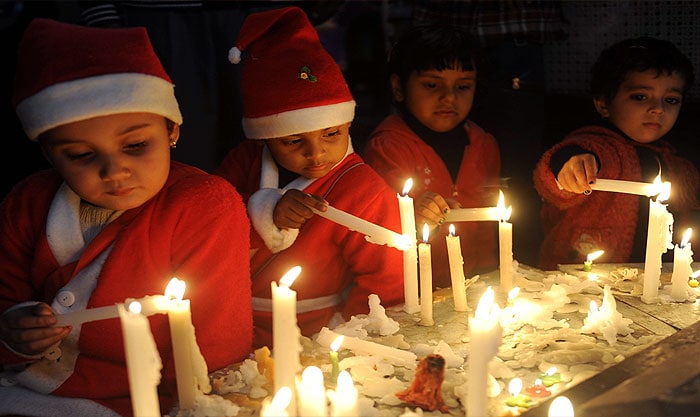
x: 397, y: 153
x: 340, y: 269
x: 195, y: 229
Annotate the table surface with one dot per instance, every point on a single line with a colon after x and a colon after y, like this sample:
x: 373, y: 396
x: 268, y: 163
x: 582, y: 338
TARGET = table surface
x: 661, y: 380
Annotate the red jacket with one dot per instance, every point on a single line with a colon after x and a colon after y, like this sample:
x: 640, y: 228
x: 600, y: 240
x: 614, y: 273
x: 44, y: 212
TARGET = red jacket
x: 334, y: 260
x: 195, y: 228
x: 575, y: 224
x: 397, y: 154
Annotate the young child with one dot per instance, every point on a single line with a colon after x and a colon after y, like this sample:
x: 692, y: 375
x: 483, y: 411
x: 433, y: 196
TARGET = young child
x: 638, y: 87
x: 452, y: 161
x: 113, y: 219
x: 298, y: 156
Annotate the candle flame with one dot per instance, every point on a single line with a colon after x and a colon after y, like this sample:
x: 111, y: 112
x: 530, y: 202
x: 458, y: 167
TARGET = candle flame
x: 452, y: 230
x: 288, y: 279
x: 426, y: 232
x: 407, y: 187
x: 538, y: 382
x: 662, y: 190
x: 486, y: 306
x: 513, y: 293
x: 337, y: 342
x: 594, y: 255
x: 593, y: 307
x: 515, y: 386
x: 551, y: 371
x: 696, y: 274
x: 281, y: 400
x: 135, y: 307
x: 175, y: 289
x: 405, y: 242
x: 686, y: 237
x: 503, y: 212
x: 561, y: 407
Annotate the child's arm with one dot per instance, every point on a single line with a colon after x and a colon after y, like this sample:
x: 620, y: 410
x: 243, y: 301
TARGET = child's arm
x: 294, y: 209
x: 29, y: 331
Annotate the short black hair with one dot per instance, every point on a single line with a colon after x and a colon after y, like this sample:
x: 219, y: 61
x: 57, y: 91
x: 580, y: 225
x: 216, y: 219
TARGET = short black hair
x: 433, y: 46
x: 637, y: 55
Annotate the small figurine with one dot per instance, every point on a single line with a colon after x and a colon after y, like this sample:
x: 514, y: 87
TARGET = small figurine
x: 426, y: 389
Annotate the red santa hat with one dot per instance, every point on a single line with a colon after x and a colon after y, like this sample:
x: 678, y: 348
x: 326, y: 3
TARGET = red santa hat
x: 67, y: 73
x: 289, y: 83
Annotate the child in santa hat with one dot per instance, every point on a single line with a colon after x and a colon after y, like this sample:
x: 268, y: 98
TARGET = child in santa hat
x: 298, y: 157
x: 453, y: 162
x: 113, y: 219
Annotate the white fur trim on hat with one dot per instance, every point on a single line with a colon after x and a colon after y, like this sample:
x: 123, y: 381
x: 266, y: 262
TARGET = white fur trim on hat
x: 299, y: 121
x: 261, y: 206
x: 101, y: 95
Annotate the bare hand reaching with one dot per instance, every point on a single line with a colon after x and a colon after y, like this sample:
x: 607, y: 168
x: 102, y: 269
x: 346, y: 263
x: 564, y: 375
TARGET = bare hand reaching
x: 294, y: 209
x: 29, y: 330
x: 578, y: 173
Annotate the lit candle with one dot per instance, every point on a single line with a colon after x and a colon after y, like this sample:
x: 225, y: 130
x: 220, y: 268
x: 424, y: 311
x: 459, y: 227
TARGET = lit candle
x: 374, y: 233
x: 277, y: 407
x: 550, y: 377
x: 682, y: 269
x: 505, y: 243
x: 472, y: 214
x: 142, y: 360
x: 693, y: 281
x: 561, y: 407
x: 344, y: 398
x: 365, y: 347
x: 588, y: 263
x: 538, y: 390
x: 285, y: 332
x: 484, y: 341
x: 658, y: 240
x: 426, y: 280
x: 454, y: 254
x: 190, y: 367
x: 334, y: 357
x: 312, y: 393
x: 152, y: 304
x: 627, y: 187
x: 410, y: 256
x: 517, y: 399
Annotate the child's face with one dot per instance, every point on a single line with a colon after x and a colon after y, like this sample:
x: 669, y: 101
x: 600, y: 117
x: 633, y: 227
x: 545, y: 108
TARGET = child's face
x: 117, y: 162
x: 438, y: 99
x: 311, y: 154
x: 646, y: 106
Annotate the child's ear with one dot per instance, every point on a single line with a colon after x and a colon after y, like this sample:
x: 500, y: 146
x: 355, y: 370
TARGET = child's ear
x: 601, y: 106
x: 396, y: 90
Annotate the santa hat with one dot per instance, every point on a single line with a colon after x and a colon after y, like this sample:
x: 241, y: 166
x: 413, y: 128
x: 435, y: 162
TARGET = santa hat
x: 289, y: 83
x: 67, y: 73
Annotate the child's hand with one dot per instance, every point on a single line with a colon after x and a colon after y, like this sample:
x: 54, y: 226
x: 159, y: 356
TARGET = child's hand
x: 28, y: 330
x: 578, y: 173
x: 430, y: 208
x: 294, y: 209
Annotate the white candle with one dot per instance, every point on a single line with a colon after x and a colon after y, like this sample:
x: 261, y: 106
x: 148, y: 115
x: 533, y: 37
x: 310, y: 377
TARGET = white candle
x: 277, y: 407
x: 373, y: 232
x: 285, y: 333
x: 359, y: 347
x: 505, y: 244
x: 561, y: 407
x: 142, y: 360
x: 454, y: 254
x: 627, y: 187
x: 484, y: 341
x: 190, y: 367
x: 682, y: 269
x: 344, y: 398
x: 152, y: 304
x: 426, y: 280
x: 410, y: 256
x: 658, y: 240
x: 312, y: 393
x: 472, y: 214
